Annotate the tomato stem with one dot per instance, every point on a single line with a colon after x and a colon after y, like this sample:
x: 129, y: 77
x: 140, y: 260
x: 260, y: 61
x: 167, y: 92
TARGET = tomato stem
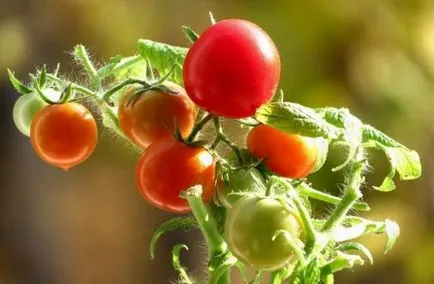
x: 107, y: 94
x: 74, y: 86
x: 311, y: 234
x: 198, y: 127
x: 82, y: 57
x: 207, y: 224
x: 308, y: 191
x: 221, y: 137
x: 351, y: 194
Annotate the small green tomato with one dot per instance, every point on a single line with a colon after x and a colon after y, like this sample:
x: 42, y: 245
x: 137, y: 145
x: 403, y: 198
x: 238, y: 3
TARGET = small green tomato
x: 28, y: 105
x: 24, y: 110
x: 250, y: 232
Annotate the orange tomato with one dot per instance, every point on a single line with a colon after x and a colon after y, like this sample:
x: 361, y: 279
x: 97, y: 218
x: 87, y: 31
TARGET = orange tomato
x: 151, y: 117
x: 64, y: 135
x: 168, y: 167
x: 288, y: 155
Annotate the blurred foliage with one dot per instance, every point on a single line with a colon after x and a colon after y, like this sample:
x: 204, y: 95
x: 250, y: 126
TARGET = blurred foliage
x: 90, y: 226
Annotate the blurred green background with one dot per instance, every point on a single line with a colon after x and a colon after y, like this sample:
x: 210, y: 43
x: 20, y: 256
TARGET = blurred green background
x: 91, y: 226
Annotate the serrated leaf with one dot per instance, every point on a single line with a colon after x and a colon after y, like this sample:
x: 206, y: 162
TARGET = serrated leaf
x: 295, y: 118
x: 183, y: 223
x: 359, y: 227
x: 372, y: 134
x: 392, y: 232
x: 406, y: 162
x: 403, y: 161
x: 387, y: 184
x: 18, y: 85
x: 358, y: 247
x: 163, y: 57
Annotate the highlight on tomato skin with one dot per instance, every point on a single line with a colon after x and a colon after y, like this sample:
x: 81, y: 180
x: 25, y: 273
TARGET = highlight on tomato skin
x: 153, y: 114
x: 289, y: 155
x: 232, y: 69
x: 169, y: 167
x: 64, y: 135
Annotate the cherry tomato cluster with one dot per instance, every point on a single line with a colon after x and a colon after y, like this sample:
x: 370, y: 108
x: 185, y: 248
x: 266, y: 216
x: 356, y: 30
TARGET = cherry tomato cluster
x: 229, y: 72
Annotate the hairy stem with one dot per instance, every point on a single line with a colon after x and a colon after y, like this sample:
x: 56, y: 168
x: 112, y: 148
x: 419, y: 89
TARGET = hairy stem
x: 351, y: 195
x: 216, y: 244
x: 82, y: 57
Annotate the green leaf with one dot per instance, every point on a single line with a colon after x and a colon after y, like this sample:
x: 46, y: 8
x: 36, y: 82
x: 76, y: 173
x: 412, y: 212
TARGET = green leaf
x: 184, y: 223
x: 124, y: 67
x: 392, y: 232
x: 342, y: 261
x: 357, y: 227
x: 258, y: 278
x: 176, y: 262
x: 277, y: 277
x: 43, y: 76
x: 403, y: 161
x: 219, y: 265
x: 372, y: 134
x: 295, y: 118
x: 358, y: 247
x: 18, y: 85
x: 310, y: 274
x: 351, y: 130
x: 191, y: 35
x: 406, y: 162
x: 163, y: 57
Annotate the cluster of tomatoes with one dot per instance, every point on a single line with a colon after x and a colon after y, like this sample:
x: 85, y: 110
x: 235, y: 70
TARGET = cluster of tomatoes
x: 230, y: 71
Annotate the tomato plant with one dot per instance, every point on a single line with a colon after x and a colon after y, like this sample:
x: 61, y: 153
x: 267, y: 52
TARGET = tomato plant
x: 256, y: 229
x: 234, y: 184
x: 151, y: 115
x: 169, y: 167
x: 289, y: 155
x: 64, y: 135
x: 260, y: 217
x: 232, y: 69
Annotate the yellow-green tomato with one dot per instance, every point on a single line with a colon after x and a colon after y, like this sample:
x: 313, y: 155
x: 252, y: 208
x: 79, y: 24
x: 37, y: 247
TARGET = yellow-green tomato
x: 25, y: 109
x: 234, y: 184
x: 250, y: 232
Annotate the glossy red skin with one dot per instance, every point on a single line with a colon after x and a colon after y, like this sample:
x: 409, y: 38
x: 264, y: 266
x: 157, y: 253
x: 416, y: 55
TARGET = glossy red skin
x: 232, y: 69
x: 151, y: 117
x: 168, y: 167
x: 288, y: 155
x: 64, y: 135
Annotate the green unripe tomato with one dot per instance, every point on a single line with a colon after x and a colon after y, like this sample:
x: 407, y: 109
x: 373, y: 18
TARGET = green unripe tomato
x: 250, y: 226
x: 24, y: 110
x: 235, y: 183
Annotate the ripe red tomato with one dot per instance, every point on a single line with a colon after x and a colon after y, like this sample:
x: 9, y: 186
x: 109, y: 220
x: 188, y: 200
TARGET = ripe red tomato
x: 288, y: 155
x: 64, y: 135
x: 151, y: 117
x: 232, y: 69
x: 168, y: 167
